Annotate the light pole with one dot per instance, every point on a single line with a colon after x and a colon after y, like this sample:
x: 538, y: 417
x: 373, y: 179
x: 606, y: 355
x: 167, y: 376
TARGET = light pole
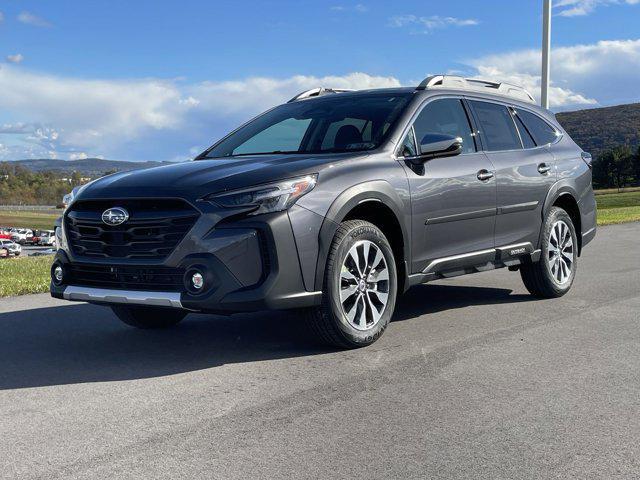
x: 546, y: 47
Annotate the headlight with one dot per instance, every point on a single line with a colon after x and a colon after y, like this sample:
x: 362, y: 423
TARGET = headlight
x: 272, y: 197
x: 71, y: 196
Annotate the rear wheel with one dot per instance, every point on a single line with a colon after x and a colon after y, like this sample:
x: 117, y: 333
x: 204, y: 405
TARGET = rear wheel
x: 553, y: 275
x: 360, y: 287
x: 148, y: 317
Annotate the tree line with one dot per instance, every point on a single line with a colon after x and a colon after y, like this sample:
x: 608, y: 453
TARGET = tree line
x: 21, y: 186
x: 617, y: 167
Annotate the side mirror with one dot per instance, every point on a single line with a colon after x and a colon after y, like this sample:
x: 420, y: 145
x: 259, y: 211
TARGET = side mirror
x: 438, y: 145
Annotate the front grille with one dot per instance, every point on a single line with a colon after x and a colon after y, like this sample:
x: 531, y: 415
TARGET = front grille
x: 153, y: 229
x: 158, y: 279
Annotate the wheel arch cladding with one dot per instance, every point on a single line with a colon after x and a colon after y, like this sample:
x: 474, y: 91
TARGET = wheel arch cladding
x: 569, y: 204
x: 378, y: 203
x: 563, y: 195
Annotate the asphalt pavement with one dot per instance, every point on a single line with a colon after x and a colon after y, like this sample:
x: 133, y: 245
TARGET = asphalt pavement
x: 473, y: 379
x: 30, y: 250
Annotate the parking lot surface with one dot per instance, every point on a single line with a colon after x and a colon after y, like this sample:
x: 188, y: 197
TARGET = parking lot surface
x: 473, y: 379
x: 29, y: 250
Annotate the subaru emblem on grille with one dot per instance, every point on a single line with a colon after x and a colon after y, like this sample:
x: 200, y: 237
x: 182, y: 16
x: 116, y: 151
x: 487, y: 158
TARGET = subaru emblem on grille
x: 115, y: 216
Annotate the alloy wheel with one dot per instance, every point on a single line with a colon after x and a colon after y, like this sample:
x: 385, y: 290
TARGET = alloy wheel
x: 364, y: 285
x: 561, y: 252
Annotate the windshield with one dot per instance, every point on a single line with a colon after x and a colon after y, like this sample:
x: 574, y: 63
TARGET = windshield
x: 335, y: 123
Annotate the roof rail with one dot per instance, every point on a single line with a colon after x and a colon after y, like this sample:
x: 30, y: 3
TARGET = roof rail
x: 452, y: 81
x: 316, y: 92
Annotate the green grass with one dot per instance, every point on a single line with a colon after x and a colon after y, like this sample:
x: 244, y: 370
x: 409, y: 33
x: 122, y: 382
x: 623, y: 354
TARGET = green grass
x: 26, y: 219
x: 22, y: 275
x: 618, y: 200
x: 606, y: 191
x: 614, y: 208
x: 613, y: 216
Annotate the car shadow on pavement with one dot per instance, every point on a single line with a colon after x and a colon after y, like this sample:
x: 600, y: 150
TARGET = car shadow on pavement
x: 432, y: 298
x: 79, y: 343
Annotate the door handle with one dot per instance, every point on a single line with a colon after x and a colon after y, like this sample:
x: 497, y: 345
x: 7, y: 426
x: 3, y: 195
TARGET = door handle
x: 544, y: 168
x: 484, y: 175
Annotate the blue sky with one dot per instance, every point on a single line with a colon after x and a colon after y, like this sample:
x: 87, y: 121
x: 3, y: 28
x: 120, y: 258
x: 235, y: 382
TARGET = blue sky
x: 138, y: 80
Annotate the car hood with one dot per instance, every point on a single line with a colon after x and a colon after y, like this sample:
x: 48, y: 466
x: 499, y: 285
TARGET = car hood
x: 193, y: 180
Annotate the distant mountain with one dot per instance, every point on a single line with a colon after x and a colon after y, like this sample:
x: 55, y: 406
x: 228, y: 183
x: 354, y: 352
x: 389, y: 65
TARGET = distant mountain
x: 598, y: 129
x: 90, y: 167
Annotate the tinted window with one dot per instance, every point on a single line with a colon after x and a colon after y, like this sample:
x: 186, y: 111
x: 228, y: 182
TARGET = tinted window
x: 445, y: 116
x: 527, y: 139
x: 496, y: 126
x: 331, y: 123
x: 408, y: 148
x: 286, y: 135
x: 362, y: 125
x: 541, y: 131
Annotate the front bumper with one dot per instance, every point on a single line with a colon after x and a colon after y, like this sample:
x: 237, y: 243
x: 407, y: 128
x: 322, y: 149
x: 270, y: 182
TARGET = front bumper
x: 127, y: 297
x: 248, y: 265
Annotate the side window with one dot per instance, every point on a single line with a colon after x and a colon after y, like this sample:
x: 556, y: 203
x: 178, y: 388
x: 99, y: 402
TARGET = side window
x: 525, y: 135
x: 496, y: 126
x: 408, y: 148
x: 446, y: 116
x: 286, y: 136
x: 541, y: 131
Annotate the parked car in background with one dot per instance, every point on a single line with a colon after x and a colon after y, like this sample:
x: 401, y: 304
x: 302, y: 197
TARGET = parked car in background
x: 12, y: 247
x: 47, y: 238
x: 33, y: 238
x: 20, y: 235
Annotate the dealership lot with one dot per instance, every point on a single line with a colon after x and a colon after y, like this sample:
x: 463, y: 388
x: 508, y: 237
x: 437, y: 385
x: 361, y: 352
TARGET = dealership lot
x: 473, y: 379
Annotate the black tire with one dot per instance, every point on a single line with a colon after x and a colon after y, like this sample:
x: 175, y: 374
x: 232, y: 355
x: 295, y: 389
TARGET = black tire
x: 538, y: 277
x: 149, y: 317
x: 328, y: 322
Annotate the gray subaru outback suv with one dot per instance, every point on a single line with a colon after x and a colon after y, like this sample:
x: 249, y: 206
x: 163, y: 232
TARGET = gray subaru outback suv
x: 334, y: 204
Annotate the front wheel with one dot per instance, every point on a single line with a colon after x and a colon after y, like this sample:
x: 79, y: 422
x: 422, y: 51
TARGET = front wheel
x: 553, y: 275
x: 360, y: 287
x: 149, y: 317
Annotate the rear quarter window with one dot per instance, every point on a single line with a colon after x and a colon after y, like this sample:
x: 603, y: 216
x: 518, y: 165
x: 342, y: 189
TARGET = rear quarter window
x: 525, y: 135
x: 540, y: 130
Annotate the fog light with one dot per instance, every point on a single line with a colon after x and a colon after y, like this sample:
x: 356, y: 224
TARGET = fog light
x: 58, y: 274
x: 197, y: 281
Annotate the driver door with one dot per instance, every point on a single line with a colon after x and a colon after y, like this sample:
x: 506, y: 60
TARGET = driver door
x: 453, y: 199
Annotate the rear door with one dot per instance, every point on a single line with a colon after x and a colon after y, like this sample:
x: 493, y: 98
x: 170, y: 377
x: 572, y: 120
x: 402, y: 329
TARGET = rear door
x: 453, y: 200
x: 524, y: 172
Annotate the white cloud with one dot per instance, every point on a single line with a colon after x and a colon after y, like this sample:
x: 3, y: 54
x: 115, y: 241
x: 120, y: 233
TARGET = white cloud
x: 259, y: 93
x: 29, y: 18
x: 78, y: 156
x: 575, y: 8
x: 17, y: 58
x: 359, y: 8
x: 48, y: 115
x: 430, y: 23
x: 581, y: 74
x: 15, y: 128
x: 114, y: 118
